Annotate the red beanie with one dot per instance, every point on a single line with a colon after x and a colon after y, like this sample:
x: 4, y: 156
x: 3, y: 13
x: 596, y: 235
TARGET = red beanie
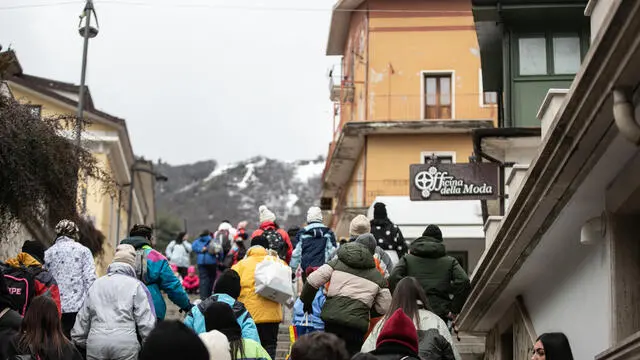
x: 399, y: 329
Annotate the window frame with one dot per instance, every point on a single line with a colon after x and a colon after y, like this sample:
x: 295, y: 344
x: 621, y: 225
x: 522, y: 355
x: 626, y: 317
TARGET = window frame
x: 549, y: 51
x: 423, y: 93
x: 448, y: 154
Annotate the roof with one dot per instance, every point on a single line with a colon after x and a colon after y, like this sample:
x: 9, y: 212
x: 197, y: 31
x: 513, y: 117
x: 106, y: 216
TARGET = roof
x: 339, y: 30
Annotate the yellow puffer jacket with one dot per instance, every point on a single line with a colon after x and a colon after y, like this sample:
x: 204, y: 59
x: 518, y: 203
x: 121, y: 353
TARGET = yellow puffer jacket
x: 261, y: 309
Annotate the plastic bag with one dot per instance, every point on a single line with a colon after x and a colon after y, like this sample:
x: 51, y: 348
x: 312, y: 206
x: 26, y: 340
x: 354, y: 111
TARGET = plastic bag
x: 273, y: 280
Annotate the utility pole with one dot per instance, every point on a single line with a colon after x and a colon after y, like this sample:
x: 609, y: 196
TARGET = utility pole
x: 86, y: 32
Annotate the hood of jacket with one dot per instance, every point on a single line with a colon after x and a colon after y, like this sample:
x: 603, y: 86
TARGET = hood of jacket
x: 427, y: 247
x: 356, y: 256
x: 256, y: 251
x: 205, y: 238
x: 122, y: 269
x: 268, y: 225
x: 23, y: 259
x: 314, y: 227
x: 138, y: 242
x: 381, y: 222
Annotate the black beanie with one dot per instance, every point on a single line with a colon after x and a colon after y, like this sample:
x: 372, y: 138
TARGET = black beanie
x: 261, y: 241
x: 219, y: 316
x: 171, y: 340
x: 35, y: 249
x: 228, y: 283
x: 379, y: 211
x: 433, y: 231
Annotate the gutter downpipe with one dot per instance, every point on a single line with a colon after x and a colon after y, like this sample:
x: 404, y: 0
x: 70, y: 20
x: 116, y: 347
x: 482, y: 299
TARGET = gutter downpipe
x: 624, y: 116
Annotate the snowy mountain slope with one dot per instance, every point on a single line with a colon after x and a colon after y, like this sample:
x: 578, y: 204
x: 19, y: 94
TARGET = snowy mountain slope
x: 205, y: 193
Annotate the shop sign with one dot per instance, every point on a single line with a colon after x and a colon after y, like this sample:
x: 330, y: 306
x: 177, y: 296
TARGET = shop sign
x: 472, y: 181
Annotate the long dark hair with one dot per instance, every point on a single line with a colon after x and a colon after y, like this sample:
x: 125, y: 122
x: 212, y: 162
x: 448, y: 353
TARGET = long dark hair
x: 180, y: 237
x: 406, y: 296
x: 41, y: 330
x: 219, y: 316
x: 556, y: 346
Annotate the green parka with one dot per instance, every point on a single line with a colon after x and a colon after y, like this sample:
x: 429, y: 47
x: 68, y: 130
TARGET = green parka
x: 440, y: 275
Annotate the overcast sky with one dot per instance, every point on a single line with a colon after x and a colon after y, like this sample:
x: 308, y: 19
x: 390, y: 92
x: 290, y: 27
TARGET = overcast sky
x: 224, y: 80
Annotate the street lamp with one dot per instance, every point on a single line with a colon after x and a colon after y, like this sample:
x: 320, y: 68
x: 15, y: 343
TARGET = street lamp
x: 87, y: 31
x: 134, y: 169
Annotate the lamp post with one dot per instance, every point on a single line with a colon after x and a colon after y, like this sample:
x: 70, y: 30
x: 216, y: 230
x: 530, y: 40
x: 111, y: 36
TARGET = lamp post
x: 134, y: 169
x: 87, y: 31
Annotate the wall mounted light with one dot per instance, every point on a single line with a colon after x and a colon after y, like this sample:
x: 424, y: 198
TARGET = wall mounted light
x: 593, y: 230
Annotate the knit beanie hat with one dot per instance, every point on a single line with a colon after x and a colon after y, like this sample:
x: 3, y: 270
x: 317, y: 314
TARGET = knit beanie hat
x: 314, y: 215
x: 67, y: 228
x: 379, y: 211
x: 171, y: 340
x: 242, y: 225
x: 399, y: 329
x: 433, y: 231
x: 260, y: 241
x: 368, y: 241
x: 219, y: 316
x: 217, y: 345
x: 266, y: 214
x: 228, y: 283
x: 191, y: 270
x: 359, y: 225
x: 125, y: 254
x: 144, y: 231
x: 35, y: 249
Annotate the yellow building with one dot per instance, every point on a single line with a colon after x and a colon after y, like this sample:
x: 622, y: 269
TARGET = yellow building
x: 409, y: 88
x: 108, y: 139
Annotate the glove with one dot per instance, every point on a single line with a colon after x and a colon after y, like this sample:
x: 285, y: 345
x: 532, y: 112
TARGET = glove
x: 187, y: 309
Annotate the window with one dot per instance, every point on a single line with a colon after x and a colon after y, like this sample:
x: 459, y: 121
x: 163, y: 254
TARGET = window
x: 35, y: 110
x: 441, y: 157
x: 550, y: 54
x: 437, y: 96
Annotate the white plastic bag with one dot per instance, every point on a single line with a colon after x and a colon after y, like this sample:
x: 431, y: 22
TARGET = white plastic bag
x: 273, y: 280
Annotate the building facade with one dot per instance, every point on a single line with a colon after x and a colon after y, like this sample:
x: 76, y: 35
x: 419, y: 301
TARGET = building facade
x: 408, y: 91
x: 563, y: 256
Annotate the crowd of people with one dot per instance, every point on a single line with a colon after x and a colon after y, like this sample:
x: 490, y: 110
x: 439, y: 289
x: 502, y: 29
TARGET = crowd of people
x: 371, y: 296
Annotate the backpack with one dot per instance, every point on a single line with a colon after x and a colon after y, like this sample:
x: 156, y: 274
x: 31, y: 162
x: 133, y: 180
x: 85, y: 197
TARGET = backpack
x: 21, y: 283
x: 276, y: 243
x: 141, y: 265
x: 224, y: 239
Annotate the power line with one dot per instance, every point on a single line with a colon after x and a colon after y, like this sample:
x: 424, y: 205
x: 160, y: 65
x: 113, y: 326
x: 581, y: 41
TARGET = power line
x: 231, y: 7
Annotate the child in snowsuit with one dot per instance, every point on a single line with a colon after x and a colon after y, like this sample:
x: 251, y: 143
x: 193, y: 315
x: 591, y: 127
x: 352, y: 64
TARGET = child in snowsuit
x: 312, y: 319
x: 191, y: 282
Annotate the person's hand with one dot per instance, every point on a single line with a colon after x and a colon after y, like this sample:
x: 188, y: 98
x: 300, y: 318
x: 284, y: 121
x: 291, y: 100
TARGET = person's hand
x: 204, y: 249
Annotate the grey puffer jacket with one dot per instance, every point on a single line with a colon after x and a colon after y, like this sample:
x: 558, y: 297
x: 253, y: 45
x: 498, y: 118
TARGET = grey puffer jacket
x: 116, y: 316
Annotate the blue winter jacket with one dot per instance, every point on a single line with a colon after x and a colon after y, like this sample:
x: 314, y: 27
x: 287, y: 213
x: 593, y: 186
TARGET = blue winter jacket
x: 195, y: 317
x: 315, y: 247
x: 313, y: 319
x: 159, y: 277
x: 204, y: 258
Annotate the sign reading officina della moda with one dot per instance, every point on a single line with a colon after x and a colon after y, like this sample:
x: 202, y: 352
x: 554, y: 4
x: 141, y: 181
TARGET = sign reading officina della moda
x: 473, y: 181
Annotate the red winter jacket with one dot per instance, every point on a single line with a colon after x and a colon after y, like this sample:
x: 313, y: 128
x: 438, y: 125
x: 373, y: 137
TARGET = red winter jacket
x: 271, y: 225
x: 191, y: 282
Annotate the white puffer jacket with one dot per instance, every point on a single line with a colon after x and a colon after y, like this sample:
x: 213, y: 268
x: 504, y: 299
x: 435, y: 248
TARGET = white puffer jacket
x: 178, y: 254
x: 117, y: 311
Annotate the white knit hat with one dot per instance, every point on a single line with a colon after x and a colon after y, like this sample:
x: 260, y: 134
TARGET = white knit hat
x: 125, y: 254
x: 266, y: 214
x: 314, y: 214
x: 217, y: 345
x: 359, y: 225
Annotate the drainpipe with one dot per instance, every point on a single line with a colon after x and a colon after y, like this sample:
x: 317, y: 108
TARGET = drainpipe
x: 624, y: 116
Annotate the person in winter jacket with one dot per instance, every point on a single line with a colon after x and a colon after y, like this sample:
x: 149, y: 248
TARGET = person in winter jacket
x: 316, y: 243
x: 172, y: 340
x: 217, y: 345
x: 41, y: 335
x: 293, y: 235
x: 319, y: 346
x: 178, y: 252
x: 73, y: 277
x: 153, y: 269
x: 238, y: 250
x: 225, y: 236
x: 191, y: 282
x: 387, y: 233
x: 268, y: 223
x: 10, y: 319
x: 356, y: 289
x: 313, y: 318
x: 227, y: 290
x: 360, y: 226
x: 219, y: 316
x: 32, y: 259
x: 209, y: 255
x: 398, y: 339
x: 440, y: 275
x: 118, y: 314
x: 267, y: 314
x: 435, y: 339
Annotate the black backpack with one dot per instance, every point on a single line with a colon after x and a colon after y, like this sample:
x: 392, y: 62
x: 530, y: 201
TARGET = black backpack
x: 276, y: 242
x: 224, y: 239
x: 21, y: 283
